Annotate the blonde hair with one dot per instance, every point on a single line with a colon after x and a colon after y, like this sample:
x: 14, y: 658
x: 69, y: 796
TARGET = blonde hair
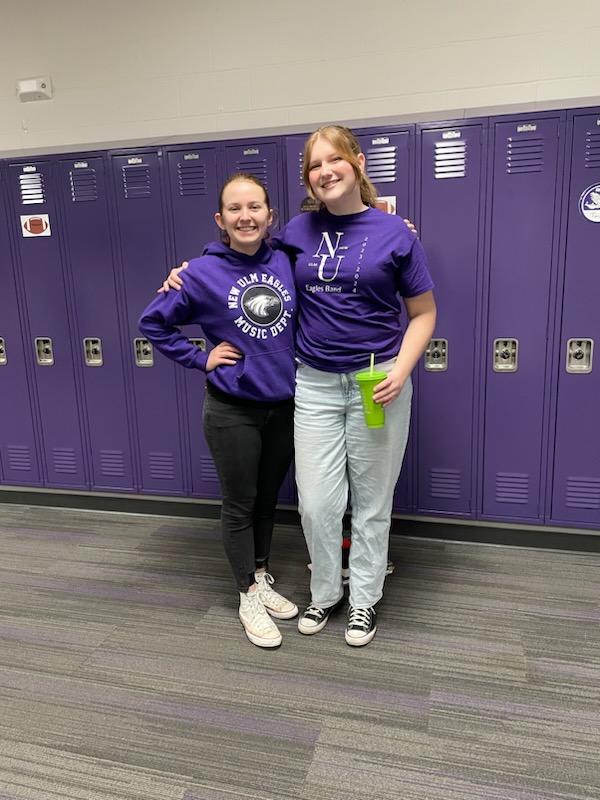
x: 347, y: 146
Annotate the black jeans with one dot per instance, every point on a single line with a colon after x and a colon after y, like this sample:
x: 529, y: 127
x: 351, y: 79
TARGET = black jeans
x: 252, y: 447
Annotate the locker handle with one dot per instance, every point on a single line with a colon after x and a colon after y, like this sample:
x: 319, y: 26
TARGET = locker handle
x: 580, y: 356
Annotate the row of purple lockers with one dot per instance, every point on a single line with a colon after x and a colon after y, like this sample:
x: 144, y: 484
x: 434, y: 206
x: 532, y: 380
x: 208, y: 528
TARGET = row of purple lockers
x: 508, y: 210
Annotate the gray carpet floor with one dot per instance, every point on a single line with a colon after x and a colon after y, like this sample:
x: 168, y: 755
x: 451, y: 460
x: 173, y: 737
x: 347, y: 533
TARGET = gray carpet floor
x: 125, y: 673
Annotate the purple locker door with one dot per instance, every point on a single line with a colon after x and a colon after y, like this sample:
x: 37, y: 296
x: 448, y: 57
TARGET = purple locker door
x: 522, y: 265
x: 18, y: 449
x: 39, y: 260
x: 576, y: 486
x: 97, y: 345
x: 143, y: 251
x: 388, y: 166
x: 194, y: 193
x: 450, y: 226
x: 261, y: 159
x: 296, y: 194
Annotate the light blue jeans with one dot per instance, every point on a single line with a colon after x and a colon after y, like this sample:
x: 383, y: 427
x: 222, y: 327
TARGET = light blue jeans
x: 335, y: 451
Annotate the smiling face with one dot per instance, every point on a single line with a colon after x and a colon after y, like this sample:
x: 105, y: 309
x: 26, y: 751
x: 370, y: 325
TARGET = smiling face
x: 333, y: 179
x: 245, y: 215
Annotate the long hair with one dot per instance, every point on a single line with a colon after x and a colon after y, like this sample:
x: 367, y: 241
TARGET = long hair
x: 347, y: 146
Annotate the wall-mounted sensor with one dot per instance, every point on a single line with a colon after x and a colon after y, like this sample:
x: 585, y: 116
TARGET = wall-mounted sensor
x: 34, y: 89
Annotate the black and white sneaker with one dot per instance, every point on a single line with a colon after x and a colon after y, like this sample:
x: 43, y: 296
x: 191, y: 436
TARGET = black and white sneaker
x: 362, y: 626
x: 315, y: 618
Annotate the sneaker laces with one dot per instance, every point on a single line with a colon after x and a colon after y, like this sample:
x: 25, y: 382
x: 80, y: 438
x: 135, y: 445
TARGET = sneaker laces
x: 314, y: 611
x: 359, y: 618
x: 265, y: 577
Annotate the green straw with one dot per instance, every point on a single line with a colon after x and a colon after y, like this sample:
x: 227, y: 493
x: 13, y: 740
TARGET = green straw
x: 372, y: 362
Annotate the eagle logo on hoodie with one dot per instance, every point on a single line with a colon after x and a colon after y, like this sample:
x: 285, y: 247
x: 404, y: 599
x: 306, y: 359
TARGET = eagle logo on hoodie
x: 262, y: 305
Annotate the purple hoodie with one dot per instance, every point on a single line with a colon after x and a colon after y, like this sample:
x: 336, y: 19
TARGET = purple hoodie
x: 351, y: 271
x: 249, y: 301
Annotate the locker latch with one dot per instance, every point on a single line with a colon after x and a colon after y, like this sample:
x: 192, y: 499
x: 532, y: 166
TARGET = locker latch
x: 200, y: 343
x: 144, y: 355
x: 436, y: 355
x: 43, y: 350
x: 506, y: 355
x: 2, y: 353
x: 580, y: 354
x: 93, y: 352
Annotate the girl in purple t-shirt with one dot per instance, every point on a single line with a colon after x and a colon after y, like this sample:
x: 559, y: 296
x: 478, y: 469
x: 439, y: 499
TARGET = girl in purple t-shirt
x: 352, y: 264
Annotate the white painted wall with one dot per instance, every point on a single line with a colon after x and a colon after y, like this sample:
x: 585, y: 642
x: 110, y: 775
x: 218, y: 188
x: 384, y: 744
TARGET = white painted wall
x: 129, y: 71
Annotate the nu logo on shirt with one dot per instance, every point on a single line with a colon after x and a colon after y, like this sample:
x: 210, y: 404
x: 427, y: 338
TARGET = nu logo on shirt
x: 328, y: 270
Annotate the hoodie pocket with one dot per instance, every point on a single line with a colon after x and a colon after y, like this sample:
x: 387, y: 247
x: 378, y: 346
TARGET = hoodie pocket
x: 268, y: 377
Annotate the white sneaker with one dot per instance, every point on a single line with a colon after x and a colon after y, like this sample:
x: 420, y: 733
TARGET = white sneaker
x: 277, y: 605
x: 259, y: 627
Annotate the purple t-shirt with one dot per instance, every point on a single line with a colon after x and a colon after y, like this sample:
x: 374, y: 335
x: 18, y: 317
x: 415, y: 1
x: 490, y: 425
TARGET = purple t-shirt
x: 351, y: 271
x: 249, y: 301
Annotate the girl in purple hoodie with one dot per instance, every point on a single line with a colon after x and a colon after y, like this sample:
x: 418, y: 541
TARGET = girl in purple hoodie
x: 242, y: 294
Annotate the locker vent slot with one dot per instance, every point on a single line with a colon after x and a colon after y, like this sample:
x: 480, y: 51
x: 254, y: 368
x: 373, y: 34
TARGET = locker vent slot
x: 84, y: 186
x: 450, y: 159
x: 65, y: 460
x: 524, y: 155
x: 191, y: 178
x: 19, y: 458
x: 112, y: 463
x: 208, y: 471
x: 257, y: 168
x: 32, y: 188
x: 445, y: 483
x: 583, y: 493
x: 136, y: 181
x: 162, y: 466
x: 300, y: 166
x: 512, y: 487
x: 381, y: 164
x: 592, y: 150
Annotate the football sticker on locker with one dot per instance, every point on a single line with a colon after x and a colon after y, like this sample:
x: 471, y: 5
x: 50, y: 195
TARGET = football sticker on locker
x: 589, y: 203
x: 387, y: 204
x: 38, y: 225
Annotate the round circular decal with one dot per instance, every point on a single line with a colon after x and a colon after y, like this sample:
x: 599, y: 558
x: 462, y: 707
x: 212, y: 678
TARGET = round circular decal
x: 589, y: 203
x: 262, y: 305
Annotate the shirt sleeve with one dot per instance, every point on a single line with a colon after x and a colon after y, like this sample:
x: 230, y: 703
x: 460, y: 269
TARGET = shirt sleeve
x: 159, y: 324
x: 282, y: 240
x: 413, y: 276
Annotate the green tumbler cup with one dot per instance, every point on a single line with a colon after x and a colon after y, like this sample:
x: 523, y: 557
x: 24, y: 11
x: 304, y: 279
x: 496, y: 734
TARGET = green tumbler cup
x: 374, y: 412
